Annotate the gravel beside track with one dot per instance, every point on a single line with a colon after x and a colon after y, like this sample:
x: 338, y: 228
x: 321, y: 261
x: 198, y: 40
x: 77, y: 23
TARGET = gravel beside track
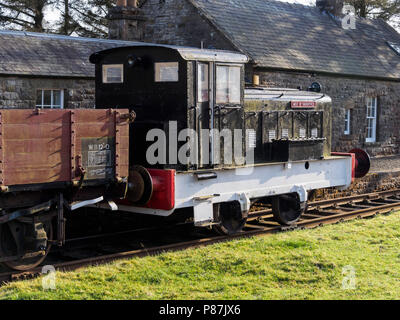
x: 385, y: 164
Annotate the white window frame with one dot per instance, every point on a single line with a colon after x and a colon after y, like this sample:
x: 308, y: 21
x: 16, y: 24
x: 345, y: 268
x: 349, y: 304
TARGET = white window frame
x: 52, y: 105
x: 114, y: 66
x: 347, y: 121
x: 372, y: 111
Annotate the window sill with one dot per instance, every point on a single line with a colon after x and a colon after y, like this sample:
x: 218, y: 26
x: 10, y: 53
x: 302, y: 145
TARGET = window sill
x: 372, y: 144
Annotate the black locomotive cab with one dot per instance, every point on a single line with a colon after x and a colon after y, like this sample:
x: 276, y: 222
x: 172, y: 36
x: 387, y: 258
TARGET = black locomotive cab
x: 173, y: 89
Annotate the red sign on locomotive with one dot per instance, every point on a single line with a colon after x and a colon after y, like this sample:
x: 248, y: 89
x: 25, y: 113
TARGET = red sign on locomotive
x: 303, y: 104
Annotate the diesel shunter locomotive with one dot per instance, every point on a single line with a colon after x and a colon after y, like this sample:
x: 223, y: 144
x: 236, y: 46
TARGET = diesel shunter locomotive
x: 175, y: 129
x: 198, y: 97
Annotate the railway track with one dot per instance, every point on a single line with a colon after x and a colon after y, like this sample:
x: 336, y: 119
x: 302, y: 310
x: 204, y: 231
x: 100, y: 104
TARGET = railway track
x: 260, y: 222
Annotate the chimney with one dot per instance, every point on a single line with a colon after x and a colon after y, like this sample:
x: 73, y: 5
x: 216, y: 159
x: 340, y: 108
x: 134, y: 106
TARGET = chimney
x: 333, y: 7
x: 126, y: 21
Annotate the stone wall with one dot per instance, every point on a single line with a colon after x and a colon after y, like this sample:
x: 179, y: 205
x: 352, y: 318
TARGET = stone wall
x: 372, y: 182
x: 350, y: 93
x: 20, y: 92
x: 178, y: 22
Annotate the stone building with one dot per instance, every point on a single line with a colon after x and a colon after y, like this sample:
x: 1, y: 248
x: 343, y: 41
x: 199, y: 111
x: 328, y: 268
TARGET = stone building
x: 291, y: 45
x: 40, y: 70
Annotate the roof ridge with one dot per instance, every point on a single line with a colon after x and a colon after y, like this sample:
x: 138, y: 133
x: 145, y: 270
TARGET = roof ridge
x: 61, y: 37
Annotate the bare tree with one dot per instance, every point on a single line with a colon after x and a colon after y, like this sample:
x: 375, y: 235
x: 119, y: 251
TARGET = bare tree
x: 383, y: 9
x: 67, y: 23
x: 91, y: 16
x: 2, y: 23
x: 24, y: 14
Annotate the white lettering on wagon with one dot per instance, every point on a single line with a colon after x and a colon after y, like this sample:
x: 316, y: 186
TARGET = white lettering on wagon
x: 101, y: 172
x: 99, y: 158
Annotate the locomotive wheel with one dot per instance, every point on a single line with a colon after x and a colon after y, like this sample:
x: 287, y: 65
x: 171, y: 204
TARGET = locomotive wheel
x: 8, y: 245
x: 286, y: 209
x: 230, y: 217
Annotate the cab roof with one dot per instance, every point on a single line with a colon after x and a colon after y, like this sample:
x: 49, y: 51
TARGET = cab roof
x: 187, y: 53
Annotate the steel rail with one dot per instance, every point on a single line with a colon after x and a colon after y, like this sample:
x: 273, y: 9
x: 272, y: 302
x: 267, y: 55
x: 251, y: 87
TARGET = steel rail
x: 360, y: 197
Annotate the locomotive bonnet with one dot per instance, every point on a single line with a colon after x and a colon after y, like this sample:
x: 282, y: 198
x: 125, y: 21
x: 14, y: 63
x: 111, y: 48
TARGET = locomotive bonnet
x: 290, y: 124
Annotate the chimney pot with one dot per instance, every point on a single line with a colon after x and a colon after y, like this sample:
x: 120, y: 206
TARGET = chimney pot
x: 132, y: 3
x: 127, y: 22
x: 121, y: 3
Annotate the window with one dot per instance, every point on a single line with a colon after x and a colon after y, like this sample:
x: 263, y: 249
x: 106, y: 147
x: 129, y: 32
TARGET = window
x: 202, y: 82
x: 50, y: 99
x: 347, y: 117
x: 166, y: 71
x: 228, y: 84
x: 372, y: 107
x: 113, y: 73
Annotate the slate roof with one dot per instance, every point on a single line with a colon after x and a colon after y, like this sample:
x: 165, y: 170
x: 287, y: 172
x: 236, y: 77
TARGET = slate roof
x: 38, y: 54
x: 281, y: 35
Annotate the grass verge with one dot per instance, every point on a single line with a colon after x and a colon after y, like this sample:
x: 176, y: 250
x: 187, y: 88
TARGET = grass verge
x: 304, y: 264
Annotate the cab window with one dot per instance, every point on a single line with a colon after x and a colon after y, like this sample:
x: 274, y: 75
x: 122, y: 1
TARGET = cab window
x: 202, y: 82
x: 113, y: 73
x: 228, y: 84
x: 166, y: 71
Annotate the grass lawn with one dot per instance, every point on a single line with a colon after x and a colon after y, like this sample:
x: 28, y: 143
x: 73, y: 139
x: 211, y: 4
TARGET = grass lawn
x: 304, y: 264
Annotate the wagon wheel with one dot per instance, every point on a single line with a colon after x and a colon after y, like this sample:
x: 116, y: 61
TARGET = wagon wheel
x: 230, y: 216
x: 8, y: 245
x: 287, y: 209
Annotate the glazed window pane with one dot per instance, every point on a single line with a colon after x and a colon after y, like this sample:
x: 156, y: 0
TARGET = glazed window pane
x: 166, y: 71
x: 228, y: 84
x: 202, y: 82
x: 222, y: 84
x: 113, y: 73
x: 50, y: 98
